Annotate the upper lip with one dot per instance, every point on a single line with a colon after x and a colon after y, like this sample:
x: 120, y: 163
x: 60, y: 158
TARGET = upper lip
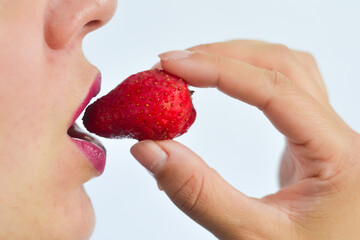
x: 93, y: 91
x: 76, y: 132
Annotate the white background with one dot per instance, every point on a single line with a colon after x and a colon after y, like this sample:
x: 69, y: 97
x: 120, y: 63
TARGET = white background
x: 235, y: 139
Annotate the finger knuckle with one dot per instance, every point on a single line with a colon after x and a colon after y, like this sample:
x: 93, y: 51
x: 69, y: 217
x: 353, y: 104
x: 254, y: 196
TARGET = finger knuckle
x: 279, y: 81
x: 220, y: 61
x: 283, y: 53
x: 277, y: 85
x: 189, y: 197
x: 309, y: 58
x: 281, y: 48
x: 308, y: 55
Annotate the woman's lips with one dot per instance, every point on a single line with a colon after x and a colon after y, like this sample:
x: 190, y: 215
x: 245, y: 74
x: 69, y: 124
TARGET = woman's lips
x: 94, y: 151
x: 90, y: 147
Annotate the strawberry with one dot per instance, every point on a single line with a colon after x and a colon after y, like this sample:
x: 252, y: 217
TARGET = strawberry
x: 152, y: 104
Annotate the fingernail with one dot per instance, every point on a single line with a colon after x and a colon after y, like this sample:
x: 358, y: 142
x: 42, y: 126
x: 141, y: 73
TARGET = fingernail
x: 150, y: 155
x: 175, y: 55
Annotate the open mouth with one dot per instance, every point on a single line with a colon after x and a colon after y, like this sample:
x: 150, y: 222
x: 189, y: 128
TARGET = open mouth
x: 77, y: 133
x: 91, y: 147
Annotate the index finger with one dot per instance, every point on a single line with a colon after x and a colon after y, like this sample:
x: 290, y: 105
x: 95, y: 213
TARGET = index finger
x: 292, y: 111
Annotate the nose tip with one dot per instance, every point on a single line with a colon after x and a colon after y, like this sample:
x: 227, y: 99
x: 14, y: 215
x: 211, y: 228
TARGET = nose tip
x: 67, y: 21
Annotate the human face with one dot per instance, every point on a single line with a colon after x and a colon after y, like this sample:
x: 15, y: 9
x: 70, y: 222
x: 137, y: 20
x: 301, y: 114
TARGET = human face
x: 44, y: 81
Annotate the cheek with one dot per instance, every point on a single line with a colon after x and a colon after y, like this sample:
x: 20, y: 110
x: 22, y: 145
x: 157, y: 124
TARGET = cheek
x: 32, y: 126
x: 29, y: 95
x: 21, y: 68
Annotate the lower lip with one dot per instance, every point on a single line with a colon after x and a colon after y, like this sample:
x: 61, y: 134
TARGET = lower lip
x: 96, y: 155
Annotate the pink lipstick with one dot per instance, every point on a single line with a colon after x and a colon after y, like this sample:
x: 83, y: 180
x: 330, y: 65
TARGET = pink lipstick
x: 92, y: 149
x: 94, y: 90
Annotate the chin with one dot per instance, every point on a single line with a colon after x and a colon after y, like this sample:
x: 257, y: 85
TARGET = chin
x: 83, y: 219
x: 65, y: 215
x: 86, y: 223
x: 74, y: 217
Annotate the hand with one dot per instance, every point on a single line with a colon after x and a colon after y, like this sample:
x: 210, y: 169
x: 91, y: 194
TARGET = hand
x: 319, y: 175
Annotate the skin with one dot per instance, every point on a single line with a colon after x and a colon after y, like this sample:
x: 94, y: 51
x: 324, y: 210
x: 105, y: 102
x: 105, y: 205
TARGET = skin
x: 319, y: 173
x: 44, y: 77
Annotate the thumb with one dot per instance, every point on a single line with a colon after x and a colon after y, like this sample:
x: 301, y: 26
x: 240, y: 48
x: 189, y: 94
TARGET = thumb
x: 201, y: 193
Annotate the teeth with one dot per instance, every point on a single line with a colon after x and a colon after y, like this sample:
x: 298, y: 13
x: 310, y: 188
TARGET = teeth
x: 76, y: 132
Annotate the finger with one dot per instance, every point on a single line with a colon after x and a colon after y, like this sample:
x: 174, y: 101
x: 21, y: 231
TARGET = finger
x: 310, y: 64
x: 276, y: 57
x: 293, y: 112
x: 157, y: 66
x: 202, y: 193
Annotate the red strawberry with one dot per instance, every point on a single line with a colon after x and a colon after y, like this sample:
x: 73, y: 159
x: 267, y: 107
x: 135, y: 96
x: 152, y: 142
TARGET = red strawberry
x: 148, y: 105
